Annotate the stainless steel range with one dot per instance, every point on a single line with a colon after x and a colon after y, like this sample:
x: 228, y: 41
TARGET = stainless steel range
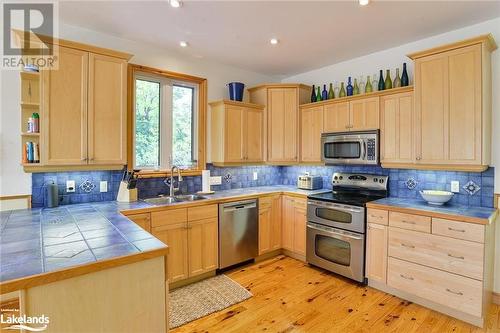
x: 336, y: 224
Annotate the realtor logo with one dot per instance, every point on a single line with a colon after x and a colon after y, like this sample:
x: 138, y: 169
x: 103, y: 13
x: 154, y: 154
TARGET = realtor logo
x: 29, y: 32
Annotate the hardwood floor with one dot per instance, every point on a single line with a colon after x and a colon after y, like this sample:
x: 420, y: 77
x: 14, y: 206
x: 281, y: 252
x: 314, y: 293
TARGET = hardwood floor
x: 290, y: 296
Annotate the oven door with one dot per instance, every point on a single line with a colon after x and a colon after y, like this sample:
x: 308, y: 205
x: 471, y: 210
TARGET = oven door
x: 336, y: 250
x: 345, y: 149
x: 336, y: 215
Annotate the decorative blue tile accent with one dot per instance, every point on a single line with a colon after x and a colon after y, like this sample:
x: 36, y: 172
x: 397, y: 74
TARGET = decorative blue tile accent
x: 411, y: 183
x: 87, y: 186
x: 471, y: 188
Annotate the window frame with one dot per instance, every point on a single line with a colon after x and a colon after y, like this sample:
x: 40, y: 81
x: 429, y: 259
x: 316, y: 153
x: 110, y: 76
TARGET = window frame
x: 200, y: 85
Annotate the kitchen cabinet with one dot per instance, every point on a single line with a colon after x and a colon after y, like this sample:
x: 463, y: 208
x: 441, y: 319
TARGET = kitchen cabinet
x: 237, y: 132
x: 294, y: 225
x: 203, y: 246
x: 83, y: 117
x: 336, y: 117
x: 376, y: 252
x: 142, y: 220
x: 269, y: 224
x: 176, y: 237
x: 453, y: 105
x: 397, y: 128
x: 364, y: 114
x: 281, y: 103
x: 311, y: 127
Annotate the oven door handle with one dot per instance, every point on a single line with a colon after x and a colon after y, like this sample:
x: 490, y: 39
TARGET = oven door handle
x: 337, y: 234
x: 338, y: 207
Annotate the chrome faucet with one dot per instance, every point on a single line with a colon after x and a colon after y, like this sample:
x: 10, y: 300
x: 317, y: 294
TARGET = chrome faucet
x: 173, y: 189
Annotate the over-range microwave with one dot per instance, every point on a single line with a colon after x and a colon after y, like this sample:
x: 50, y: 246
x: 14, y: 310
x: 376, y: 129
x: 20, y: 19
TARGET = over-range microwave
x: 359, y: 148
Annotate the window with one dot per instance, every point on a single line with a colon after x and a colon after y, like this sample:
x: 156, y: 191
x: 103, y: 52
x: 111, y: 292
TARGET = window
x: 165, y: 123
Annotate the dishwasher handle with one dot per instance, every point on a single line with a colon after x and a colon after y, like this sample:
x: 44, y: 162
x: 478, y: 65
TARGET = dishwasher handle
x: 232, y: 206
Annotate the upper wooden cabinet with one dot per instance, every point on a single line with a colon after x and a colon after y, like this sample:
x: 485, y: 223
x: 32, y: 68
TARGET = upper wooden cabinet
x: 236, y: 132
x: 364, y: 114
x: 453, y: 105
x: 311, y: 127
x: 83, y: 113
x: 396, y: 128
x: 281, y: 103
x: 336, y: 117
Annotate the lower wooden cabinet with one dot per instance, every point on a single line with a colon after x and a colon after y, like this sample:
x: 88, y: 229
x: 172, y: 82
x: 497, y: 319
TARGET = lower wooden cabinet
x: 269, y: 224
x: 294, y: 225
x: 192, y: 237
x: 376, y: 252
x: 142, y: 220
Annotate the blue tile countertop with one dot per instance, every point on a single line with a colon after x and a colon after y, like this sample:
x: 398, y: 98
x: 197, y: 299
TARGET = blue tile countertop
x: 36, y: 241
x: 467, y: 213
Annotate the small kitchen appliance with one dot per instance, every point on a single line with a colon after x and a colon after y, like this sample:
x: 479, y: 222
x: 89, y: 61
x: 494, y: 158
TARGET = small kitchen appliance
x: 309, y: 182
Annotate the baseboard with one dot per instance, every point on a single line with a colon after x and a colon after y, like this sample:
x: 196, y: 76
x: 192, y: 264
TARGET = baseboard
x: 182, y: 283
x: 268, y: 255
x: 294, y: 255
x: 496, y: 298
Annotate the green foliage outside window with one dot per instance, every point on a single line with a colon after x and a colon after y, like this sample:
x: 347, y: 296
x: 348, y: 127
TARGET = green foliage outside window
x: 147, y: 124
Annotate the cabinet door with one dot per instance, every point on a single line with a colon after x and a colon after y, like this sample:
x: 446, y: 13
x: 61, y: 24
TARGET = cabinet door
x: 282, y: 124
x: 287, y: 223
x: 465, y: 105
x: 276, y: 223
x: 299, y: 233
x: 203, y: 246
x: 311, y: 129
x: 107, y: 110
x: 364, y: 114
x: 176, y: 237
x: 234, y: 133
x: 431, y: 109
x: 254, y: 135
x: 336, y: 117
x: 142, y: 220
x: 65, y: 109
x: 265, y: 230
x: 376, y: 252
x: 396, y: 128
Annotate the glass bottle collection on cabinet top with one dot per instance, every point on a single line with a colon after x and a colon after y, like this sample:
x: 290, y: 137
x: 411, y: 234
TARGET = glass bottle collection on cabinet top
x: 361, y: 86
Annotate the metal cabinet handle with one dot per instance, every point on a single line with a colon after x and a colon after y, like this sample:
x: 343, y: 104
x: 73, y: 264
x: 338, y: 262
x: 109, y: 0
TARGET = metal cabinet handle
x: 419, y: 158
x: 459, y: 293
x: 457, y: 230
x: 406, y: 277
x: 456, y: 257
x: 408, y: 246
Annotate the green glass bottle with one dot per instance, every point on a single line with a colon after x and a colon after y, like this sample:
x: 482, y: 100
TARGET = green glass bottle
x: 318, y: 95
x: 368, y: 87
x: 397, y: 80
x: 355, y: 90
x: 388, y: 80
x: 342, y: 90
x: 331, y: 94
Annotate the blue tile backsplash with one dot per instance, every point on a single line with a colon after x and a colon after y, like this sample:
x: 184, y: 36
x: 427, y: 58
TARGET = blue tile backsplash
x: 241, y: 177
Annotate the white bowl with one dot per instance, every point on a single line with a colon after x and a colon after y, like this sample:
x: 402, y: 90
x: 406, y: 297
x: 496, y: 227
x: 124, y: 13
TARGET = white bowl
x: 436, y: 197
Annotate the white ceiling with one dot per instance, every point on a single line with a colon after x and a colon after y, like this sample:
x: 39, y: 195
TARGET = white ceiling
x: 312, y: 34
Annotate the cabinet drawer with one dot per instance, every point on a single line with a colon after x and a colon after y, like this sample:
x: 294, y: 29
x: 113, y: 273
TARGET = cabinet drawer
x: 299, y: 202
x: 167, y: 217
x: 202, y: 212
x: 461, y: 230
x: 454, y: 291
x: 377, y: 216
x: 449, y: 254
x: 265, y: 202
x: 410, y: 222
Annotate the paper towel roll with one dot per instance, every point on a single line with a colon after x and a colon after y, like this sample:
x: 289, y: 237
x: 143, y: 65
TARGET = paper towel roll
x: 205, y: 181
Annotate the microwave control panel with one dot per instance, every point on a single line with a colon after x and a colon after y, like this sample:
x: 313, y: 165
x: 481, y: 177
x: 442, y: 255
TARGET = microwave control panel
x: 371, y: 150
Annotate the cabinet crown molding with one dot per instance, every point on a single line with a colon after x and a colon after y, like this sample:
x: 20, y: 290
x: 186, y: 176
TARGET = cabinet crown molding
x: 236, y: 103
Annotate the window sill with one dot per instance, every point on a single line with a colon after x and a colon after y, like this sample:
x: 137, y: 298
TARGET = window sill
x: 166, y: 173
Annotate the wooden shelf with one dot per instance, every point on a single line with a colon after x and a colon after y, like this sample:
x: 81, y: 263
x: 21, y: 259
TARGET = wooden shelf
x: 30, y: 134
x: 30, y: 105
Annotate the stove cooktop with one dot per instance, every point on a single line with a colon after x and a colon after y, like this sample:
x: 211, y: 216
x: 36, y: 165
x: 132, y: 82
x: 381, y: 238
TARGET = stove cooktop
x: 349, y: 198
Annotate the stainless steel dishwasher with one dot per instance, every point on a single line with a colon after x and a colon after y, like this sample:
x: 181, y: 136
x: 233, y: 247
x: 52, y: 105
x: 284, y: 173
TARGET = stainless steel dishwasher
x: 238, y: 232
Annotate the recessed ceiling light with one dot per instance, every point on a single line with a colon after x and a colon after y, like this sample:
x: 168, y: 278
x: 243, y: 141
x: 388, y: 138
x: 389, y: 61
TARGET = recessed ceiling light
x: 183, y: 43
x: 175, y: 3
x: 274, y: 41
x: 364, y: 2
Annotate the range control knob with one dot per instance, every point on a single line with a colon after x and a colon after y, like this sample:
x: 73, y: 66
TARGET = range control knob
x: 381, y: 181
x: 375, y: 180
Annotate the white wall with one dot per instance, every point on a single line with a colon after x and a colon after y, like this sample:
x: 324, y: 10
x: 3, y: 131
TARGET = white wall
x: 394, y: 57
x: 12, y: 178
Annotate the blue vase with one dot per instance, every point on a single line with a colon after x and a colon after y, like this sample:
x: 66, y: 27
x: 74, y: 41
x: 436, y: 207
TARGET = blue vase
x: 313, y: 94
x: 349, y: 88
x: 381, y: 83
x: 324, y: 93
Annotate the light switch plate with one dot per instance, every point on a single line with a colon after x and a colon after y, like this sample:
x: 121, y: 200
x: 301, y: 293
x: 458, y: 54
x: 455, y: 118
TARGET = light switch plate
x: 70, y: 186
x: 455, y: 186
x: 255, y: 175
x: 103, y: 186
x: 216, y: 180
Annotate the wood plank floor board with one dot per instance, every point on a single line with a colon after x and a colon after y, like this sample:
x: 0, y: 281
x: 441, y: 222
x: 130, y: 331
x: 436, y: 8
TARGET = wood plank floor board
x: 290, y: 296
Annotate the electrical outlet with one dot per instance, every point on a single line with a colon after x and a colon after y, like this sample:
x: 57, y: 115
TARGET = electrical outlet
x: 70, y: 186
x: 455, y: 186
x: 216, y: 180
x: 103, y: 186
x: 255, y: 175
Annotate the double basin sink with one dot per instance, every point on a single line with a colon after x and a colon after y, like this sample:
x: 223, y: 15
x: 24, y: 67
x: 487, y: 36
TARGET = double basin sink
x: 170, y: 200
